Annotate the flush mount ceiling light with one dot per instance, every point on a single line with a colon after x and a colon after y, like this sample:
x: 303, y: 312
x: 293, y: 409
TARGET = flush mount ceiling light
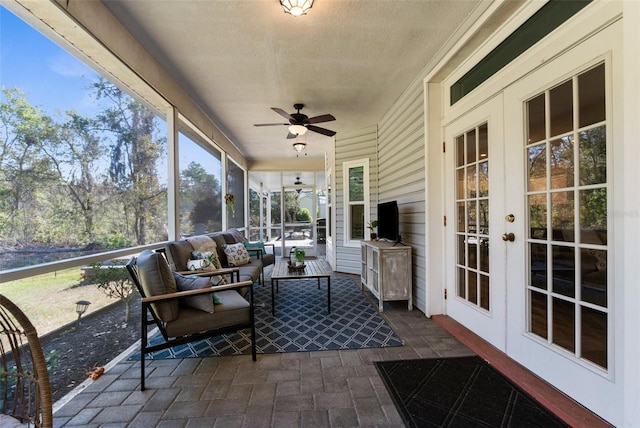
x: 297, y: 129
x: 296, y: 7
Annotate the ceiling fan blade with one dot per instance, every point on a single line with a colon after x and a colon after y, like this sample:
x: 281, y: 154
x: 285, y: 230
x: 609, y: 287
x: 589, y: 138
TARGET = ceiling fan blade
x: 282, y: 113
x: 322, y: 131
x: 321, y: 118
x: 270, y: 124
x: 290, y: 136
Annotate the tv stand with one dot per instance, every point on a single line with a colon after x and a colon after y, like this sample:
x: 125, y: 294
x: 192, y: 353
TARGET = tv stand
x: 386, y: 271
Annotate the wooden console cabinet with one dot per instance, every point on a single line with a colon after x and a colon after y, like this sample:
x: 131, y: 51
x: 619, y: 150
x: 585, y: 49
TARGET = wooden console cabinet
x: 386, y: 271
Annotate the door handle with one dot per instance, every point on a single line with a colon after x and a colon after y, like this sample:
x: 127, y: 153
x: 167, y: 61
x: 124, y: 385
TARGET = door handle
x: 508, y: 237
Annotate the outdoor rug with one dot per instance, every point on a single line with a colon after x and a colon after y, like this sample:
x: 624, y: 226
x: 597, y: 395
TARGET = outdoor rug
x: 301, y: 323
x: 460, y: 392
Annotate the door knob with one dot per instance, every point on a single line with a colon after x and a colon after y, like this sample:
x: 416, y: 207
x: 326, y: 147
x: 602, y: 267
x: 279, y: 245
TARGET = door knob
x: 508, y: 237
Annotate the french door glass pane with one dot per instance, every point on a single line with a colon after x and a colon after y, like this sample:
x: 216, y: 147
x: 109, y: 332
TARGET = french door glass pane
x: 537, y: 156
x: 538, y: 302
x: 594, y: 336
x: 564, y: 320
x: 561, y: 108
x: 564, y: 270
x: 536, y: 119
x: 538, y: 269
x: 593, y: 156
x: 562, y: 162
x: 591, y: 106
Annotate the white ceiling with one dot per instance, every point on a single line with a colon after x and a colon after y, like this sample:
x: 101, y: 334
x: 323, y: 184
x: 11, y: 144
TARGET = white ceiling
x: 237, y: 59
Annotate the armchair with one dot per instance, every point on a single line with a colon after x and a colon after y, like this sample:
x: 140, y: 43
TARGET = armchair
x: 176, y: 317
x: 25, y: 392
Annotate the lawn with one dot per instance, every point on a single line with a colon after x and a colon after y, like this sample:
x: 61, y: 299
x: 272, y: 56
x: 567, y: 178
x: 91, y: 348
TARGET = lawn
x: 49, y: 300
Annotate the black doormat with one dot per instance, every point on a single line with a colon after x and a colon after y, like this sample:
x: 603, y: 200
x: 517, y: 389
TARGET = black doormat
x: 460, y: 392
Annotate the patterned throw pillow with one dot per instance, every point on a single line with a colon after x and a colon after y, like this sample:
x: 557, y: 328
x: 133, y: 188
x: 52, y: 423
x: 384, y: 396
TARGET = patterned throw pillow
x: 237, y: 254
x: 209, y: 261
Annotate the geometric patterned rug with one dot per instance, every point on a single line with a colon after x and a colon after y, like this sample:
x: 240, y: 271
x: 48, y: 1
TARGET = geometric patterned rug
x: 460, y: 392
x: 301, y: 323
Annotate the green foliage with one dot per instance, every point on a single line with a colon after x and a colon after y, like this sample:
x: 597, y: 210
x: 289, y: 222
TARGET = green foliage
x: 299, y: 254
x: 118, y: 240
x: 303, y: 215
x: 113, y: 281
x: 372, y: 225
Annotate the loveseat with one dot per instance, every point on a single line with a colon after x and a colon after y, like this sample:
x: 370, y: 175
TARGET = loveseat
x: 180, y: 252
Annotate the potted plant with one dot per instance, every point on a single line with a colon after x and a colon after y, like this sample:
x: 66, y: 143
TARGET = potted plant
x: 299, y: 256
x: 373, y: 224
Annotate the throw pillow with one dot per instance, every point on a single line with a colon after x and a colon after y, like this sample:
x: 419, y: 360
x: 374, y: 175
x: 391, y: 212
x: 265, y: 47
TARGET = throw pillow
x: 257, y: 245
x: 237, y: 254
x: 237, y: 235
x: 209, y: 261
x: 191, y: 282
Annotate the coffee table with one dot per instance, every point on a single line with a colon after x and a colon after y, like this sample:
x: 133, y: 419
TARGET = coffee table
x: 313, y: 269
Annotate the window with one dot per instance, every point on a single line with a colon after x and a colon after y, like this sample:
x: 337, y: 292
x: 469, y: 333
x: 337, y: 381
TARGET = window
x: 356, y: 200
x: 200, y: 186
x: 83, y: 165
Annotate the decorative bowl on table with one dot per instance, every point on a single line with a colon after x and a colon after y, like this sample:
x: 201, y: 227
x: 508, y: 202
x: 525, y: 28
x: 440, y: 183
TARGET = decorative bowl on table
x: 296, y: 267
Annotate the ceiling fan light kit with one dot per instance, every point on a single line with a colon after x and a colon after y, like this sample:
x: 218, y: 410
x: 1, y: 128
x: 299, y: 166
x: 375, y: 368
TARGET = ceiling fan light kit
x: 296, y: 7
x: 297, y: 129
x: 300, y: 123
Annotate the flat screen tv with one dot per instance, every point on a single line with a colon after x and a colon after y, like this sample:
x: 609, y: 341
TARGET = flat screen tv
x: 388, y: 221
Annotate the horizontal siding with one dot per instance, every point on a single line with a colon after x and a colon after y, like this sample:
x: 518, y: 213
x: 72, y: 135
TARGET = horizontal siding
x: 352, y: 146
x: 401, y: 177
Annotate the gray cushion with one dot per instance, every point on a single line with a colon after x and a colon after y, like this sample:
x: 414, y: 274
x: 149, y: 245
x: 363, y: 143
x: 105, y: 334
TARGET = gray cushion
x: 156, y: 278
x: 203, y: 302
x: 178, y: 254
x: 220, y: 242
x: 237, y: 235
x: 232, y: 310
x: 229, y: 238
x: 201, y: 243
x: 268, y: 259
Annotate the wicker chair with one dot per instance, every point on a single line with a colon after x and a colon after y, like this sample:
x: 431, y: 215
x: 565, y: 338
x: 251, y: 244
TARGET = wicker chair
x: 25, y: 393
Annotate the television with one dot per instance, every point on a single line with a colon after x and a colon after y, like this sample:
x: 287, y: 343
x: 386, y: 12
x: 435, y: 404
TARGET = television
x: 388, y: 221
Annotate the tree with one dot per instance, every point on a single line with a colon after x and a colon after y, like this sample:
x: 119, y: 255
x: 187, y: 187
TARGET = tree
x: 133, y: 155
x: 201, y: 197
x: 26, y: 172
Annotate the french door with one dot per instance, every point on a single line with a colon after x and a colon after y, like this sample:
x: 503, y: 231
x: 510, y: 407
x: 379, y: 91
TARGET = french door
x: 476, y: 283
x: 529, y: 187
x: 560, y: 295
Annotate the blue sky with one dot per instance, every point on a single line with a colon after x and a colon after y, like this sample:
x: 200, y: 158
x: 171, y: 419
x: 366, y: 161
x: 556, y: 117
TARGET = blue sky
x: 55, y: 81
x: 41, y: 69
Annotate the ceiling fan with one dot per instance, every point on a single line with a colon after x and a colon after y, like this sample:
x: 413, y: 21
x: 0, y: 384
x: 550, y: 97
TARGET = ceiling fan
x: 299, y: 123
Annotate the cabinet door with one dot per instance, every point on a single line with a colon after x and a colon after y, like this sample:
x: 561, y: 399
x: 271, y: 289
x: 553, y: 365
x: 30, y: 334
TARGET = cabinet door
x: 375, y: 270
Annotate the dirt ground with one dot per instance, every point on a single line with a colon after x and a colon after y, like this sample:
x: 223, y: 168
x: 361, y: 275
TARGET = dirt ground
x: 98, y: 339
